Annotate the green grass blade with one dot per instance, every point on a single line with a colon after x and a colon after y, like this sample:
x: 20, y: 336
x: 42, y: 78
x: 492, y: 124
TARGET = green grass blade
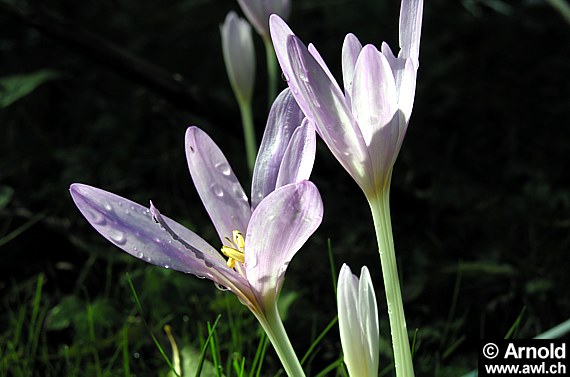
x: 319, y: 338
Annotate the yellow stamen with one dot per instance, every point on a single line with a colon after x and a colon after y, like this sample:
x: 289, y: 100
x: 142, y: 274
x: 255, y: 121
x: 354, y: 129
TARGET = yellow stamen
x: 239, y: 240
x: 235, y: 252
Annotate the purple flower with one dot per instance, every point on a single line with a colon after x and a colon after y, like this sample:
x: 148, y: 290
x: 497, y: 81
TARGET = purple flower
x: 258, y: 12
x: 259, y: 240
x: 363, y: 127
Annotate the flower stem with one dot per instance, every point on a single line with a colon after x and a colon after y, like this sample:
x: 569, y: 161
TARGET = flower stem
x: 248, y: 133
x: 276, y: 333
x: 380, y: 206
x: 271, y: 60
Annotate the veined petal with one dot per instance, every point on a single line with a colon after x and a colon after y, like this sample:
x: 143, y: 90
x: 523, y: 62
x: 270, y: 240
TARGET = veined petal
x: 368, y: 313
x: 298, y: 160
x: 131, y: 227
x: 284, y: 118
x: 349, y: 322
x: 280, y: 32
x: 217, y: 271
x: 278, y: 228
x: 216, y: 183
x: 411, y: 13
x: 374, y: 96
x: 324, y: 104
x: 313, y: 51
x: 397, y: 64
x: 407, y: 89
x: 351, y: 48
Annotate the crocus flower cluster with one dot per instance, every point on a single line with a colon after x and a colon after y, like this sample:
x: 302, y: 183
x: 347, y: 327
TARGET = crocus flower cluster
x: 363, y: 124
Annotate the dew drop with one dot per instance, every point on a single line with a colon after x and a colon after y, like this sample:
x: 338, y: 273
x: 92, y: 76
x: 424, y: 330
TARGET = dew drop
x: 117, y: 237
x: 140, y: 255
x: 96, y: 217
x: 199, y: 276
x: 108, y: 207
x: 221, y: 287
x: 217, y: 190
x: 303, y: 77
x: 251, y: 260
x: 166, y: 266
x: 284, y: 77
x: 136, y: 355
x: 223, y: 167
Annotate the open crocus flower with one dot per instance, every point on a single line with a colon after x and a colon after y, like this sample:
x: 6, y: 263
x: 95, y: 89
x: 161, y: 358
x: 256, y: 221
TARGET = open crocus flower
x: 358, y: 322
x: 258, y: 241
x: 258, y: 12
x: 363, y: 127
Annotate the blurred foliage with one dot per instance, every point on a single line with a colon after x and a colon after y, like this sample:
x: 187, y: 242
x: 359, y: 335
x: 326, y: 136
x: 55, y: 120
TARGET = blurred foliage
x: 480, y: 195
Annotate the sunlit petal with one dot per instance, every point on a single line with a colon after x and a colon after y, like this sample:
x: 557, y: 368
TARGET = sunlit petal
x: 411, y: 13
x: 216, y: 183
x: 131, y: 227
x: 350, y: 50
x: 324, y: 104
x: 284, y: 118
x: 299, y: 157
x: 279, y: 226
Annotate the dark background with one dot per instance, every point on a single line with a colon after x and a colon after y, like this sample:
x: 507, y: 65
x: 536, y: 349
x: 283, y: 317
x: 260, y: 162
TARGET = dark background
x: 480, y: 192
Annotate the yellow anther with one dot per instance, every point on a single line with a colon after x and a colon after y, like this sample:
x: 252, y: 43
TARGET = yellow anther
x: 239, y: 240
x: 232, y: 253
x: 236, y: 251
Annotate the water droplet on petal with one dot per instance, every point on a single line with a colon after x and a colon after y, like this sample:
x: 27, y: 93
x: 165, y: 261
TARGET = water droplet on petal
x: 117, y: 237
x: 250, y: 260
x: 223, y: 167
x: 217, y: 190
x: 221, y: 287
x: 140, y: 255
x: 108, y: 207
x: 95, y: 217
x: 303, y: 77
x: 166, y: 266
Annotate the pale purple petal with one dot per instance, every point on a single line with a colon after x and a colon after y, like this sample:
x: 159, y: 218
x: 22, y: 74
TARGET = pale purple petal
x: 239, y: 55
x: 368, y: 313
x: 374, y: 96
x: 216, y: 183
x: 131, y: 227
x: 349, y: 322
x: 258, y: 12
x: 358, y: 322
x: 284, y: 117
x: 398, y: 64
x: 410, y: 29
x: 298, y: 160
x: 279, y: 226
x: 280, y: 32
x: 313, y: 51
x: 407, y: 89
x: 324, y: 104
x: 350, y: 50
